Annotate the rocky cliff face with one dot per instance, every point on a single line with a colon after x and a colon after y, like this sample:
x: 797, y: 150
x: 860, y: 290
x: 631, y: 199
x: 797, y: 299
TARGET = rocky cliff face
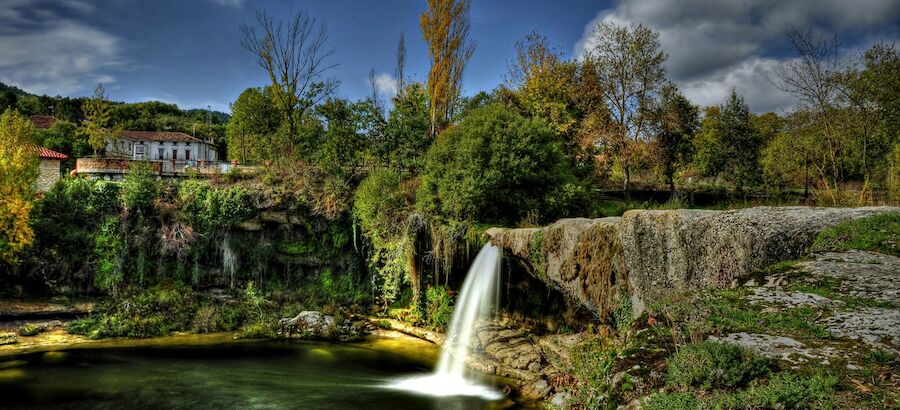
x: 649, y: 253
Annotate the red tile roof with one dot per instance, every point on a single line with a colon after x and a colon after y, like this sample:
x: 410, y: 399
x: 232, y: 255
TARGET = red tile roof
x: 43, y: 121
x: 159, y: 136
x: 50, y: 154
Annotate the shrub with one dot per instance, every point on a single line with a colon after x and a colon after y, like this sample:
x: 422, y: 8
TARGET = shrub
x: 440, y: 307
x: 672, y: 401
x: 31, y: 329
x: 140, y: 188
x: 714, y: 365
x: 496, y: 166
x: 153, y: 312
x: 108, y: 273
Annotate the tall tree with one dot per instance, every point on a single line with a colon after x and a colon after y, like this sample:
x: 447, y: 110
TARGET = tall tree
x: 740, y: 140
x: 295, y: 56
x: 401, y: 63
x: 253, y: 126
x: 97, y: 124
x: 18, y: 171
x: 445, y: 28
x: 677, y: 120
x: 629, y: 68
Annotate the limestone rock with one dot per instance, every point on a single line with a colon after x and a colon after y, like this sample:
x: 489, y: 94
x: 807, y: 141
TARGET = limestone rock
x: 693, y: 249
x: 508, y: 347
x: 316, y: 325
x: 535, y: 389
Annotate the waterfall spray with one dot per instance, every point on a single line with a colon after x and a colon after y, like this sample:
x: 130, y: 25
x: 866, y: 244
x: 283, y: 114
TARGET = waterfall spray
x: 477, y: 299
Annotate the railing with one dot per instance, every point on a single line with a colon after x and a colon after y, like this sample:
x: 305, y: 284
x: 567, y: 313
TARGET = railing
x: 118, y: 166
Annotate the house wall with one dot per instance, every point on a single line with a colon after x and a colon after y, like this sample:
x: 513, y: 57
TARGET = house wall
x: 49, y: 174
x: 200, y: 151
x: 119, y: 147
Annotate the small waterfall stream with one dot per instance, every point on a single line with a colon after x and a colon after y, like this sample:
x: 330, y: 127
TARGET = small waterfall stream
x: 477, y: 299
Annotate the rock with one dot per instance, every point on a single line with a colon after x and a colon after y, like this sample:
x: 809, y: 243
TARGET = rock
x: 508, y: 347
x: 537, y: 389
x: 651, y: 253
x: 560, y: 399
x: 876, y: 327
x: 860, y: 274
x: 316, y: 325
x: 253, y: 224
x: 779, y: 347
x: 557, y: 348
x: 694, y: 249
x: 580, y: 257
x: 8, y: 338
x: 792, y: 300
x: 274, y: 217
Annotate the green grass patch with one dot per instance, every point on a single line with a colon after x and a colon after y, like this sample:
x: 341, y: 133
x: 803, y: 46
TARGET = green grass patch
x: 710, y: 365
x: 877, y: 233
x: 783, y: 390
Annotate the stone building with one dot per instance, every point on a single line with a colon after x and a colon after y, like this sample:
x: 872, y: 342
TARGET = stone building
x: 49, y: 169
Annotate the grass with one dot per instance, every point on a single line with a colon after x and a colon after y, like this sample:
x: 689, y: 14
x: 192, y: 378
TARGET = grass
x: 710, y: 365
x: 31, y: 329
x: 782, y: 390
x: 877, y: 233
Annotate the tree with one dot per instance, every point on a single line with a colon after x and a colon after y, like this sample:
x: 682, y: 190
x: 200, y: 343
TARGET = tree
x: 405, y: 139
x: 445, y: 28
x: 677, y: 120
x: 97, y: 126
x: 295, y: 57
x: 740, y: 140
x: 63, y: 136
x: 19, y: 164
x: 401, y: 63
x: 253, y: 126
x: 497, y: 166
x: 628, y: 64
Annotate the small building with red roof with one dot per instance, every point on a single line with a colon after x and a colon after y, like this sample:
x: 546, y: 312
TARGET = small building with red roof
x: 50, y: 168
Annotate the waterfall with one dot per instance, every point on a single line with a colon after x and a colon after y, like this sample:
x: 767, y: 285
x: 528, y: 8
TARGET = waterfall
x: 229, y: 259
x: 477, y: 299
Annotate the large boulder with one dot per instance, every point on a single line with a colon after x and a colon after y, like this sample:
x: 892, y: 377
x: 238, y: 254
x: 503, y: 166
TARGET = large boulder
x: 316, y: 325
x: 580, y: 257
x: 650, y: 253
x: 689, y: 249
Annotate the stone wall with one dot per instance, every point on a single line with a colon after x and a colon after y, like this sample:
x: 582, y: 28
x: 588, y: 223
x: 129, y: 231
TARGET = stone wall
x: 49, y: 174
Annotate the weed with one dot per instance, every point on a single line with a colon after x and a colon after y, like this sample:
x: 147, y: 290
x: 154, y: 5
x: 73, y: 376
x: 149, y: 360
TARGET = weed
x: 715, y: 365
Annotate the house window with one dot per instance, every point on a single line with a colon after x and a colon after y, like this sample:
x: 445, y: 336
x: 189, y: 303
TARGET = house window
x: 174, y: 153
x: 162, y: 153
x: 187, y: 154
x: 139, y: 150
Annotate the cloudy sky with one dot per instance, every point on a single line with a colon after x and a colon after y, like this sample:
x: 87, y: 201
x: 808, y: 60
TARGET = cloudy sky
x: 188, y: 51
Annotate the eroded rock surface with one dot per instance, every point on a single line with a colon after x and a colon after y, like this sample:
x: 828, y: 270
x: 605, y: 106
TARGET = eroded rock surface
x: 316, y: 325
x: 654, y: 252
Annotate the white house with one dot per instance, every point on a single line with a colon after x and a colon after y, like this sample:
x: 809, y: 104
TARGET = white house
x: 161, y: 146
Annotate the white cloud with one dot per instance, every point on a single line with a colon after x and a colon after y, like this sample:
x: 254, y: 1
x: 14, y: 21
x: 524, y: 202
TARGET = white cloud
x: 386, y: 85
x: 229, y: 3
x: 714, y: 45
x: 44, y: 52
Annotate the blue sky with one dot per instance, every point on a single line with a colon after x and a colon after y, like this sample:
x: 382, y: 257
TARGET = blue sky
x: 188, y: 51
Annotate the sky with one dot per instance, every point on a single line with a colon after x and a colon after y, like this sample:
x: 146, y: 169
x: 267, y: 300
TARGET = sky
x: 188, y: 52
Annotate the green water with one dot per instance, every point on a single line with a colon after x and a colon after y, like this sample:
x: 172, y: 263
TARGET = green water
x: 255, y: 375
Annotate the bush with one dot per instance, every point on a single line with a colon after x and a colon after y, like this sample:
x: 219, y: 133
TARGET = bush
x: 497, y: 166
x: 140, y: 188
x: 712, y: 365
x: 31, y: 329
x: 440, y: 307
x: 152, y: 312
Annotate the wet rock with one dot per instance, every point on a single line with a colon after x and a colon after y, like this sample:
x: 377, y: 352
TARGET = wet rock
x: 535, y: 389
x: 316, y: 325
x: 509, y: 347
x: 8, y: 338
x: 274, y: 217
x: 580, y: 257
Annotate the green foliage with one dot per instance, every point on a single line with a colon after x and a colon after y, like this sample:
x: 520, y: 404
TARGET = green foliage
x: 710, y: 365
x: 623, y: 314
x: 108, y: 248
x: 783, y: 390
x: 97, y: 126
x: 439, y: 307
x: 878, y: 233
x: 496, y: 166
x: 593, y: 362
x: 406, y: 132
x: 155, y: 311
x: 340, y: 149
x: 677, y: 120
x: 18, y: 172
x: 208, y: 209
x: 140, y: 189
x: 31, y: 329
